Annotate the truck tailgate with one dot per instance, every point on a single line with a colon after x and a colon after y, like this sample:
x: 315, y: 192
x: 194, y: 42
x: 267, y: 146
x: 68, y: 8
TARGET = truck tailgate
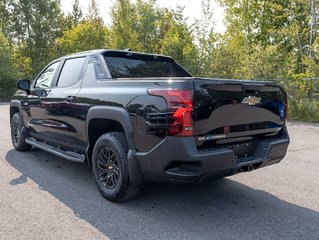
x: 229, y: 111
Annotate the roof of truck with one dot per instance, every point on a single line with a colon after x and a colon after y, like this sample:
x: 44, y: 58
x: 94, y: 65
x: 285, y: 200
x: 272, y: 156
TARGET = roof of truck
x: 101, y: 51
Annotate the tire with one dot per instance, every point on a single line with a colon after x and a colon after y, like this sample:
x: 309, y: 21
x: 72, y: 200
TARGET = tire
x: 17, y: 138
x: 110, y: 168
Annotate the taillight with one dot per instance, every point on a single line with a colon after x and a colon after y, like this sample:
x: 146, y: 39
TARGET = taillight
x: 179, y: 109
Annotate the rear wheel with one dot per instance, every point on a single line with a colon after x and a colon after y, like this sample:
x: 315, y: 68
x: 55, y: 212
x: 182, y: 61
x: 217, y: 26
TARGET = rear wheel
x: 17, y: 138
x: 110, y: 168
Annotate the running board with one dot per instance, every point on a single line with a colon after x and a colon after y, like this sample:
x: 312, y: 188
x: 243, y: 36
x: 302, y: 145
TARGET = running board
x: 68, y: 155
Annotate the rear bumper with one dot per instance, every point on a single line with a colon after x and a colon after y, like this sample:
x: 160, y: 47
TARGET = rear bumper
x: 178, y: 160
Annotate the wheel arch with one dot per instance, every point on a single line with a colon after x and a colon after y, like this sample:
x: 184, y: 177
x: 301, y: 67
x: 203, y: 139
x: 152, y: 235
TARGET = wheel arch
x: 117, y: 117
x: 120, y: 120
x: 115, y: 114
x: 15, y: 107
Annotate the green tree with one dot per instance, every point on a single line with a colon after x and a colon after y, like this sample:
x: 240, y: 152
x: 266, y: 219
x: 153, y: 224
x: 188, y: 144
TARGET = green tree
x: 34, y: 26
x: 72, y: 19
x: 178, y: 41
x: 84, y: 36
x: 145, y: 27
x: 280, y: 23
x: 123, y: 34
x: 77, y: 13
x: 4, y: 17
x: 206, y: 39
x: 94, y: 13
x: 8, y: 73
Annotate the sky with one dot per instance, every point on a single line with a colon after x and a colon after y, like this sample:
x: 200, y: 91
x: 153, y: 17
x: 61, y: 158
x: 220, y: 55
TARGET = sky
x: 191, y: 11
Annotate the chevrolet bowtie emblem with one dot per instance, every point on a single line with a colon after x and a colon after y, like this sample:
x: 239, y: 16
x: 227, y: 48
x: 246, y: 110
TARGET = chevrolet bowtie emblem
x: 251, y: 100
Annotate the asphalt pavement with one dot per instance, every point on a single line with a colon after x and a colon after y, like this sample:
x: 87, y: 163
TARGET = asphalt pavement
x: 45, y: 197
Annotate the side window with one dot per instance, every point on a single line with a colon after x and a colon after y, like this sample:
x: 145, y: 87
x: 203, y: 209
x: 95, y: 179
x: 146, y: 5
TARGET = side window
x: 179, y: 71
x: 70, y: 72
x: 98, y: 68
x: 46, y: 77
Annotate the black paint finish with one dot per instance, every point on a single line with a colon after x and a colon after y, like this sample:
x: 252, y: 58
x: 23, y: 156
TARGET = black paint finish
x: 60, y: 116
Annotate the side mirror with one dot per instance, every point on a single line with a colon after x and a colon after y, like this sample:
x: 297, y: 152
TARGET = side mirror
x: 24, y: 84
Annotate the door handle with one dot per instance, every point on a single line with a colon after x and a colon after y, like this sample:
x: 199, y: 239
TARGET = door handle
x: 69, y: 98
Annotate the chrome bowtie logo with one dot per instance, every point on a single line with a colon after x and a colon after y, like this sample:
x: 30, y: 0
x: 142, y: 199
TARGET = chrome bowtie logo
x: 251, y: 100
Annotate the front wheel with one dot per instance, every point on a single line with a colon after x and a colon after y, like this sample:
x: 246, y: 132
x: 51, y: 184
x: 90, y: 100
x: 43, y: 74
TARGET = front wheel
x: 17, y: 138
x: 110, y: 168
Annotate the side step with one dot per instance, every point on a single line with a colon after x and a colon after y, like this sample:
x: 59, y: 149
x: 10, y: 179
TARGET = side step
x: 68, y: 155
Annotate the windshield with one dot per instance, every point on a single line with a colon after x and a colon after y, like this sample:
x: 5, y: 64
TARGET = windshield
x: 131, y: 65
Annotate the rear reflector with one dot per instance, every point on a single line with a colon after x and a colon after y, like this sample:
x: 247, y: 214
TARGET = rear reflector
x: 179, y: 109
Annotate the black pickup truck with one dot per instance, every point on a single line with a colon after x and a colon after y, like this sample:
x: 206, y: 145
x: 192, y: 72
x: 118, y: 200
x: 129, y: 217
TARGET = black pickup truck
x: 135, y: 117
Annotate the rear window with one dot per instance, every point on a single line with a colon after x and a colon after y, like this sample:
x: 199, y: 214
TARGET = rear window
x: 129, y: 65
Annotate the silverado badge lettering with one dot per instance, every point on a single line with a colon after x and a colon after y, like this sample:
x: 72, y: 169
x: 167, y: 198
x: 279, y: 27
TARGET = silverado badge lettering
x: 211, y: 137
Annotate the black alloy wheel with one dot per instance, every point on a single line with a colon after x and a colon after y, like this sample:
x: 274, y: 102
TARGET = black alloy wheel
x: 17, y: 138
x: 110, y: 168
